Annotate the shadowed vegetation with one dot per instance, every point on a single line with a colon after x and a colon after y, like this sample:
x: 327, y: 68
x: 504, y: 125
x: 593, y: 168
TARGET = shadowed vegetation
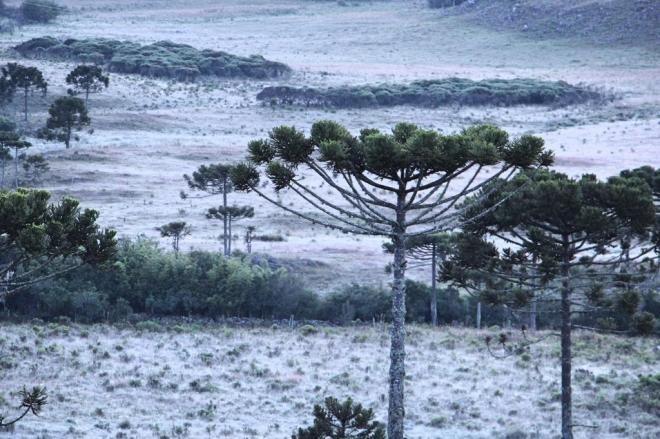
x: 162, y: 59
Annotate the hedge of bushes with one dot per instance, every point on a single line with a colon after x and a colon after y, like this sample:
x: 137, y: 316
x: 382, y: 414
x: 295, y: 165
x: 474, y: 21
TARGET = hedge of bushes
x: 147, y: 281
x: 435, y: 93
x: 163, y: 59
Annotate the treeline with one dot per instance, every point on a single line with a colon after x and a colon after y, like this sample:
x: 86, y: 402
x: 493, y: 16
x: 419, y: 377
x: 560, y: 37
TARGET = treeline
x: 146, y: 281
x: 29, y: 11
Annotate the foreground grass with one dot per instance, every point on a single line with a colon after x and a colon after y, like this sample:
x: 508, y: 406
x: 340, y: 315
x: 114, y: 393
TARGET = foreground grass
x: 189, y: 381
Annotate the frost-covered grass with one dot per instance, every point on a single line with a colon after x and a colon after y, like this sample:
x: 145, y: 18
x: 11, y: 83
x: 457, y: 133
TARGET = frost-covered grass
x: 193, y: 381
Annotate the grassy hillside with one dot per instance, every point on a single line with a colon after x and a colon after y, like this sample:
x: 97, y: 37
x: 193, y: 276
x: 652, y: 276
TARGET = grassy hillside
x: 601, y: 22
x: 191, y: 381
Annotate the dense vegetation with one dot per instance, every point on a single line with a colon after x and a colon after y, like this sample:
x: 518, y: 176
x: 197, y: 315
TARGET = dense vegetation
x: 435, y: 93
x: 162, y: 59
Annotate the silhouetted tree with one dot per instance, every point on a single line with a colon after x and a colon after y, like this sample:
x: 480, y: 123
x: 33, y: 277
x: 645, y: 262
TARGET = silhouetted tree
x: 26, y: 79
x: 67, y: 114
x: 32, y: 401
x: 399, y: 185
x: 229, y: 215
x: 249, y: 236
x: 87, y: 79
x: 336, y: 420
x: 214, y: 180
x: 567, y: 236
x: 39, y: 11
x: 34, y: 166
x: 176, y: 230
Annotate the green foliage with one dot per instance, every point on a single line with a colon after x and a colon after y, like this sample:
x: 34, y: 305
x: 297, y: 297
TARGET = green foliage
x: 34, y: 166
x: 35, y: 234
x: 67, y: 114
x: 337, y: 420
x: 643, y: 323
x: 39, y: 11
x: 163, y: 59
x: 647, y: 393
x: 435, y: 93
x: 87, y: 79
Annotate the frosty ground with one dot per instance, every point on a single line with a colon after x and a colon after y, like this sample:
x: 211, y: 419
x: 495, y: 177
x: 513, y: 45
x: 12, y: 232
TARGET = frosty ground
x: 176, y: 381
x: 147, y: 133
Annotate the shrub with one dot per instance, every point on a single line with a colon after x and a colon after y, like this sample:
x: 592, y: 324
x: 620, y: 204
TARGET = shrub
x: 437, y: 4
x: 39, y: 11
x: 162, y: 59
x: 643, y: 323
x: 345, y: 420
x: 435, y: 93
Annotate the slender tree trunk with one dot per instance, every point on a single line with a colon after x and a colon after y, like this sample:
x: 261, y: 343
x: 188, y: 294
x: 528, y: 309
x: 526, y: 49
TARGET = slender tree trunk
x: 478, y: 315
x: 532, y: 315
x: 224, y: 218
x: 86, y: 97
x: 434, y: 294
x: 396, y: 411
x: 67, y: 137
x: 16, y: 168
x: 566, y: 389
x: 229, y: 240
x: 2, y: 182
x: 25, y: 102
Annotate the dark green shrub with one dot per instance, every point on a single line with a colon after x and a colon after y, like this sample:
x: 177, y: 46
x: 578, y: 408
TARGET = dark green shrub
x: 336, y: 420
x: 437, y: 4
x: 435, y: 93
x: 39, y: 11
x: 643, y: 323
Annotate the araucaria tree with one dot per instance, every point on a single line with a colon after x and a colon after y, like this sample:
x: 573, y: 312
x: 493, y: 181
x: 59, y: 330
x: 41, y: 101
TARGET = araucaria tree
x: 342, y: 420
x: 582, y: 239
x: 26, y: 79
x: 176, y: 230
x: 214, y: 180
x: 12, y: 140
x: 40, y: 240
x: 67, y: 114
x: 87, y: 79
x: 397, y: 185
x: 229, y: 215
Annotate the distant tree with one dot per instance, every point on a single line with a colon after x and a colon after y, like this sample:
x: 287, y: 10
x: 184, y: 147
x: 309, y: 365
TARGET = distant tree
x: 26, y: 79
x: 336, y: 420
x: 428, y: 250
x: 7, y: 88
x: 214, y: 179
x: 39, y: 11
x: 12, y: 140
x: 34, y: 166
x: 6, y: 126
x: 578, y: 238
x: 249, y: 236
x: 87, y: 79
x: 176, y: 230
x: 229, y: 215
x: 32, y: 401
x: 67, y: 114
x: 35, y: 234
x: 406, y: 183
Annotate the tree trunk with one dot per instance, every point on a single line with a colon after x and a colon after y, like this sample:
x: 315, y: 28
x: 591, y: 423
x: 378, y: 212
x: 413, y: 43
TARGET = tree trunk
x: 16, y: 168
x: 229, y: 238
x: 224, y: 218
x: 566, y: 389
x: 532, y: 316
x: 434, y: 294
x: 67, y: 137
x: 478, y: 315
x: 396, y: 412
x: 86, y: 97
x: 2, y: 182
x: 25, y: 102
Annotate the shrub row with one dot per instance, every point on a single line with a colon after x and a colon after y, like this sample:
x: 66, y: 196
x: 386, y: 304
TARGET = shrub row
x: 163, y: 59
x: 151, y: 282
x: 435, y: 93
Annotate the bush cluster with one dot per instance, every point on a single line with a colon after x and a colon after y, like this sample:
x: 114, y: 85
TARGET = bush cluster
x: 163, y: 59
x: 435, y: 93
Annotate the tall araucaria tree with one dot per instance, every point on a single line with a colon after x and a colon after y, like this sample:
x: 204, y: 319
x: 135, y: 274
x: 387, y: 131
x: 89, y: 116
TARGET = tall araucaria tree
x: 397, y: 185
x: 214, y: 179
x: 578, y: 240
x: 177, y: 230
x: 428, y: 250
x: 230, y: 214
x: 12, y: 140
x: 26, y: 79
x: 66, y: 115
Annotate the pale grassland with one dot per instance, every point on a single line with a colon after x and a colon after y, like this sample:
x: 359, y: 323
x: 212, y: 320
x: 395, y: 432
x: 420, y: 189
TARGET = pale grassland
x: 193, y: 381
